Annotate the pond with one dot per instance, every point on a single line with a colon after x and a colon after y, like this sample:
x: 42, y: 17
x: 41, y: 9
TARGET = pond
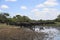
x: 53, y: 32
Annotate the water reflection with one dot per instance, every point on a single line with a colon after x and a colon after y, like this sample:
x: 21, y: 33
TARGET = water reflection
x: 57, y: 37
x: 53, y: 33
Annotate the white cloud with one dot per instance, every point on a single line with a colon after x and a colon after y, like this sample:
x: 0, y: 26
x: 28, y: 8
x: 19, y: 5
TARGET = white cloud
x: 23, y: 7
x: 47, y: 3
x: 51, y: 0
x: 11, y: 0
x: 34, y: 10
x: 4, y: 7
x: 46, y: 13
x: 46, y: 10
x: 50, y: 3
x: 40, y: 6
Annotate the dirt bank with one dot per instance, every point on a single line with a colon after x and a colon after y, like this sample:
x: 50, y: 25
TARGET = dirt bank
x: 19, y: 34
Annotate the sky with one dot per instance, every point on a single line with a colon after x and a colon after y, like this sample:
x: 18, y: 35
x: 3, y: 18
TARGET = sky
x: 34, y: 9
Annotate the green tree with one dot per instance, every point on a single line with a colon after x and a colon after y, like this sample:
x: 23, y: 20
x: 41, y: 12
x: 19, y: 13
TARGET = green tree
x: 58, y: 18
x: 25, y: 19
x: 3, y: 17
x: 18, y: 18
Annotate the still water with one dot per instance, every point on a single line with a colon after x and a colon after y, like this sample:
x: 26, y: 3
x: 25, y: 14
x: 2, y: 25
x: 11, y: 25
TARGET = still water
x: 53, y: 32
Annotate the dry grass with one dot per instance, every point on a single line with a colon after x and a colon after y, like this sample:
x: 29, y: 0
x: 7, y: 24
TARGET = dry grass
x: 19, y: 34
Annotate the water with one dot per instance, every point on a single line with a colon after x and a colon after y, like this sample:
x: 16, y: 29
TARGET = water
x: 53, y: 33
x: 57, y: 37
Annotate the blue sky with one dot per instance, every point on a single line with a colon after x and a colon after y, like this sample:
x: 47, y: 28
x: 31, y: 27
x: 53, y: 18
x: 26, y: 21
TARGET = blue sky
x: 34, y: 9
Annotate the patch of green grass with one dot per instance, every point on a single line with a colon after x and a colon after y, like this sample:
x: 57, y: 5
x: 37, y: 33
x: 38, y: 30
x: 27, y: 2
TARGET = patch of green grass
x: 57, y: 23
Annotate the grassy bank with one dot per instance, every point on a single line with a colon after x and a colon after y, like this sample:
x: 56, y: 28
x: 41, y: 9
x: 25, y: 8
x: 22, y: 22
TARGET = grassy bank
x: 56, y: 24
x: 8, y: 32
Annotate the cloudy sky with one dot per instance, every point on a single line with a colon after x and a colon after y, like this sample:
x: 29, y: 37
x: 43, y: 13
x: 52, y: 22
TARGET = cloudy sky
x: 34, y: 9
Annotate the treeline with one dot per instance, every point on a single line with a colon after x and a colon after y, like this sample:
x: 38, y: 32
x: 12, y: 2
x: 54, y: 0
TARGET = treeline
x: 4, y: 18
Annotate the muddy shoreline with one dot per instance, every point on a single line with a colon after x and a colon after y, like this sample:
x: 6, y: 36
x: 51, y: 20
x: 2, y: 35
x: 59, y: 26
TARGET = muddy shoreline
x: 19, y: 34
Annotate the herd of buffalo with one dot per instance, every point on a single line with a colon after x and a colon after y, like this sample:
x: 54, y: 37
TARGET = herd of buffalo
x: 29, y: 25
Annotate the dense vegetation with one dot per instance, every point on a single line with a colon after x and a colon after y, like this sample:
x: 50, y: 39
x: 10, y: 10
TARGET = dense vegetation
x: 4, y: 18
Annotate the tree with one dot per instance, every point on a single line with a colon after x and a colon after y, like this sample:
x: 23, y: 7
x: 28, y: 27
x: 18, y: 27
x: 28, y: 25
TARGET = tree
x: 3, y: 17
x: 58, y: 18
x: 25, y: 19
x: 18, y: 18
